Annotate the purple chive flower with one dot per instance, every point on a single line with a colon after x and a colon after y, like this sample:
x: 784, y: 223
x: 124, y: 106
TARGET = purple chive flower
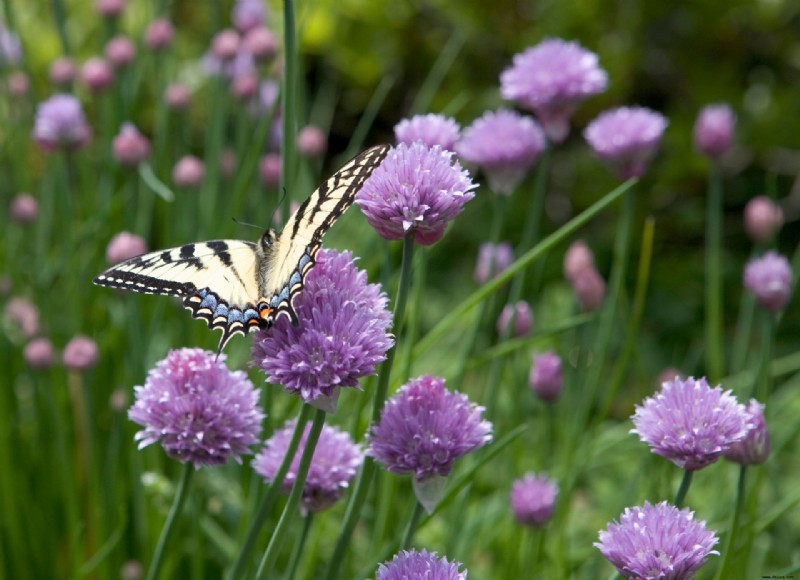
x: 431, y: 129
x: 261, y: 42
x: 198, y: 409
x: 124, y: 246
x: 60, y: 124
x: 589, y: 288
x: 120, y: 51
x: 334, y: 464
x: 579, y: 257
x: 423, y: 429
x: 39, y: 353
x: 713, y: 130
x: 10, y: 48
x: 626, y: 139
x: 97, y: 74
x: 769, y: 279
x: 763, y: 218
x: 62, y: 71
x: 178, y: 96
x: 657, y: 541
x: 80, y: 354
x: 423, y: 565
x: 24, y: 208
x: 533, y: 499
x: 493, y: 259
x: 415, y: 190
x: 189, y: 171
x: 754, y: 448
x: 546, y: 378
x: 130, y: 146
x: 342, y: 333
x: 312, y: 141
x: 269, y: 169
x: 523, y: 319
x: 248, y: 14
x: 505, y: 145
x: 690, y: 423
x: 159, y: 33
x: 21, y: 313
x: 552, y: 79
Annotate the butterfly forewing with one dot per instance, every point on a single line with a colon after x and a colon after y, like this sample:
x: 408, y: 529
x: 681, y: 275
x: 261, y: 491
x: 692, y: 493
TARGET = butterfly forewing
x: 234, y: 285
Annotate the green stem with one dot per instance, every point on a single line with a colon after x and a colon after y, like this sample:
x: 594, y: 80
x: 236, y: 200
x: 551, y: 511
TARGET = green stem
x: 724, y: 570
x: 61, y: 25
x: 288, y: 100
x: 412, y: 525
x: 368, y: 469
x: 763, y: 381
x: 714, y: 350
x: 181, y: 493
x: 684, y: 487
x: 290, y: 510
x: 265, y: 507
x: 301, y: 542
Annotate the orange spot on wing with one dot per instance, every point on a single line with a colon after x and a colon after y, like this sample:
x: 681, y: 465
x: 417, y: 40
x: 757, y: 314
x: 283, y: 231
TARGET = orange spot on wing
x: 266, y: 312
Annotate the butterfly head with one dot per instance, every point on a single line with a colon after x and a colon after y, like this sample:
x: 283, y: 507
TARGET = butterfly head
x: 267, y: 240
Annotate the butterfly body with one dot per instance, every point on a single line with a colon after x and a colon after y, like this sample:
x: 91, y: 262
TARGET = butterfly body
x: 240, y: 286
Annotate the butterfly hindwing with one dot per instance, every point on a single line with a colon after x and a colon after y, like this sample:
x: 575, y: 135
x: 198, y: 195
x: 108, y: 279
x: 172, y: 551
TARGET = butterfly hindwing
x: 295, y: 248
x: 239, y: 286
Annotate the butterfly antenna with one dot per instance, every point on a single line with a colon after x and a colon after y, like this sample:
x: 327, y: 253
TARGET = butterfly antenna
x: 249, y: 225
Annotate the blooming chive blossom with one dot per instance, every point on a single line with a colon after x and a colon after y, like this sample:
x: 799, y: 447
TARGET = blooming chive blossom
x: 422, y: 565
x: 546, y: 378
x: 626, y: 139
x: 552, y: 79
x: 657, y: 541
x: 493, y: 259
x: 690, y: 423
x: 248, y: 14
x: 769, y: 279
x: 60, y: 124
x: 424, y: 428
x: 533, y: 499
x: 342, y: 333
x: 416, y: 190
x: 763, y: 218
x: 713, y: 130
x: 431, y: 129
x: 334, y: 464
x: 198, y: 409
x: 754, y: 448
x: 130, y: 146
x: 505, y: 145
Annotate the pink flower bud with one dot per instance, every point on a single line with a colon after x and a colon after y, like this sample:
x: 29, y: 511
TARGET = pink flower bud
x: 109, y: 8
x: 245, y: 86
x: 492, y: 260
x: 18, y: 84
x: 80, y: 354
x: 762, y: 219
x: 589, y: 288
x: 713, y: 130
x: 578, y: 258
x: 546, y: 378
x: 158, y: 35
x: 24, y: 208
x: 120, y: 51
x: 130, y: 146
x: 189, y: 171
x: 769, y: 279
x: 226, y: 44
x: 39, y: 353
x: 124, y: 246
x: 262, y: 43
x: 178, y: 96
x: 311, y: 141
x: 523, y: 319
x: 21, y: 312
x: 269, y: 169
x: 62, y: 71
x: 97, y: 74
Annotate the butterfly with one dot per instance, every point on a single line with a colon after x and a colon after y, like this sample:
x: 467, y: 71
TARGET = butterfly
x: 240, y: 286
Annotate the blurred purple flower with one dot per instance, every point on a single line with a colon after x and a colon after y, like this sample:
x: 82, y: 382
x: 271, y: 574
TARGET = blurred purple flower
x: 713, y: 130
x: 763, y: 218
x: 431, y: 129
x: 178, y: 96
x: 523, y: 319
x: 109, y: 8
x: 769, y: 279
x: 189, y: 171
x: 342, y: 333
x: 130, y: 146
x: 80, y: 354
x: 24, y: 208
x: 18, y: 83
x: 577, y: 258
x: 589, y: 287
x: 657, y: 541
x: 424, y: 565
x: 60, y: 124
x: 124, y: 246
x: 97, y: 74
x: 262, y: 43
x: 62, y: 71
x: 120, y: 51
x: 312, y: 141
x: 248, y: 14
x: 533, y: 499
x: 159, y: 33
x: 505, y: 145
x: 552, y: 78
x: 10, y: 48
x: 198, y: 409
x: 269, y: 169
x: 690, y: 423
x: 415, y: 190
x: 754, y: 448
x: 626, y: 139
x: 423, y: 429
x: 334, y: 464
x: 21, y: 312
x: 39, y: 353
x: 546, y: 378
x: 493, y: 259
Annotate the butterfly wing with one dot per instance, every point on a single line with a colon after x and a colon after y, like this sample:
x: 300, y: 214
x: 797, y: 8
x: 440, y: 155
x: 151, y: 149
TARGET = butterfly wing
x: 217, y: 281
x: 285, y: 264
